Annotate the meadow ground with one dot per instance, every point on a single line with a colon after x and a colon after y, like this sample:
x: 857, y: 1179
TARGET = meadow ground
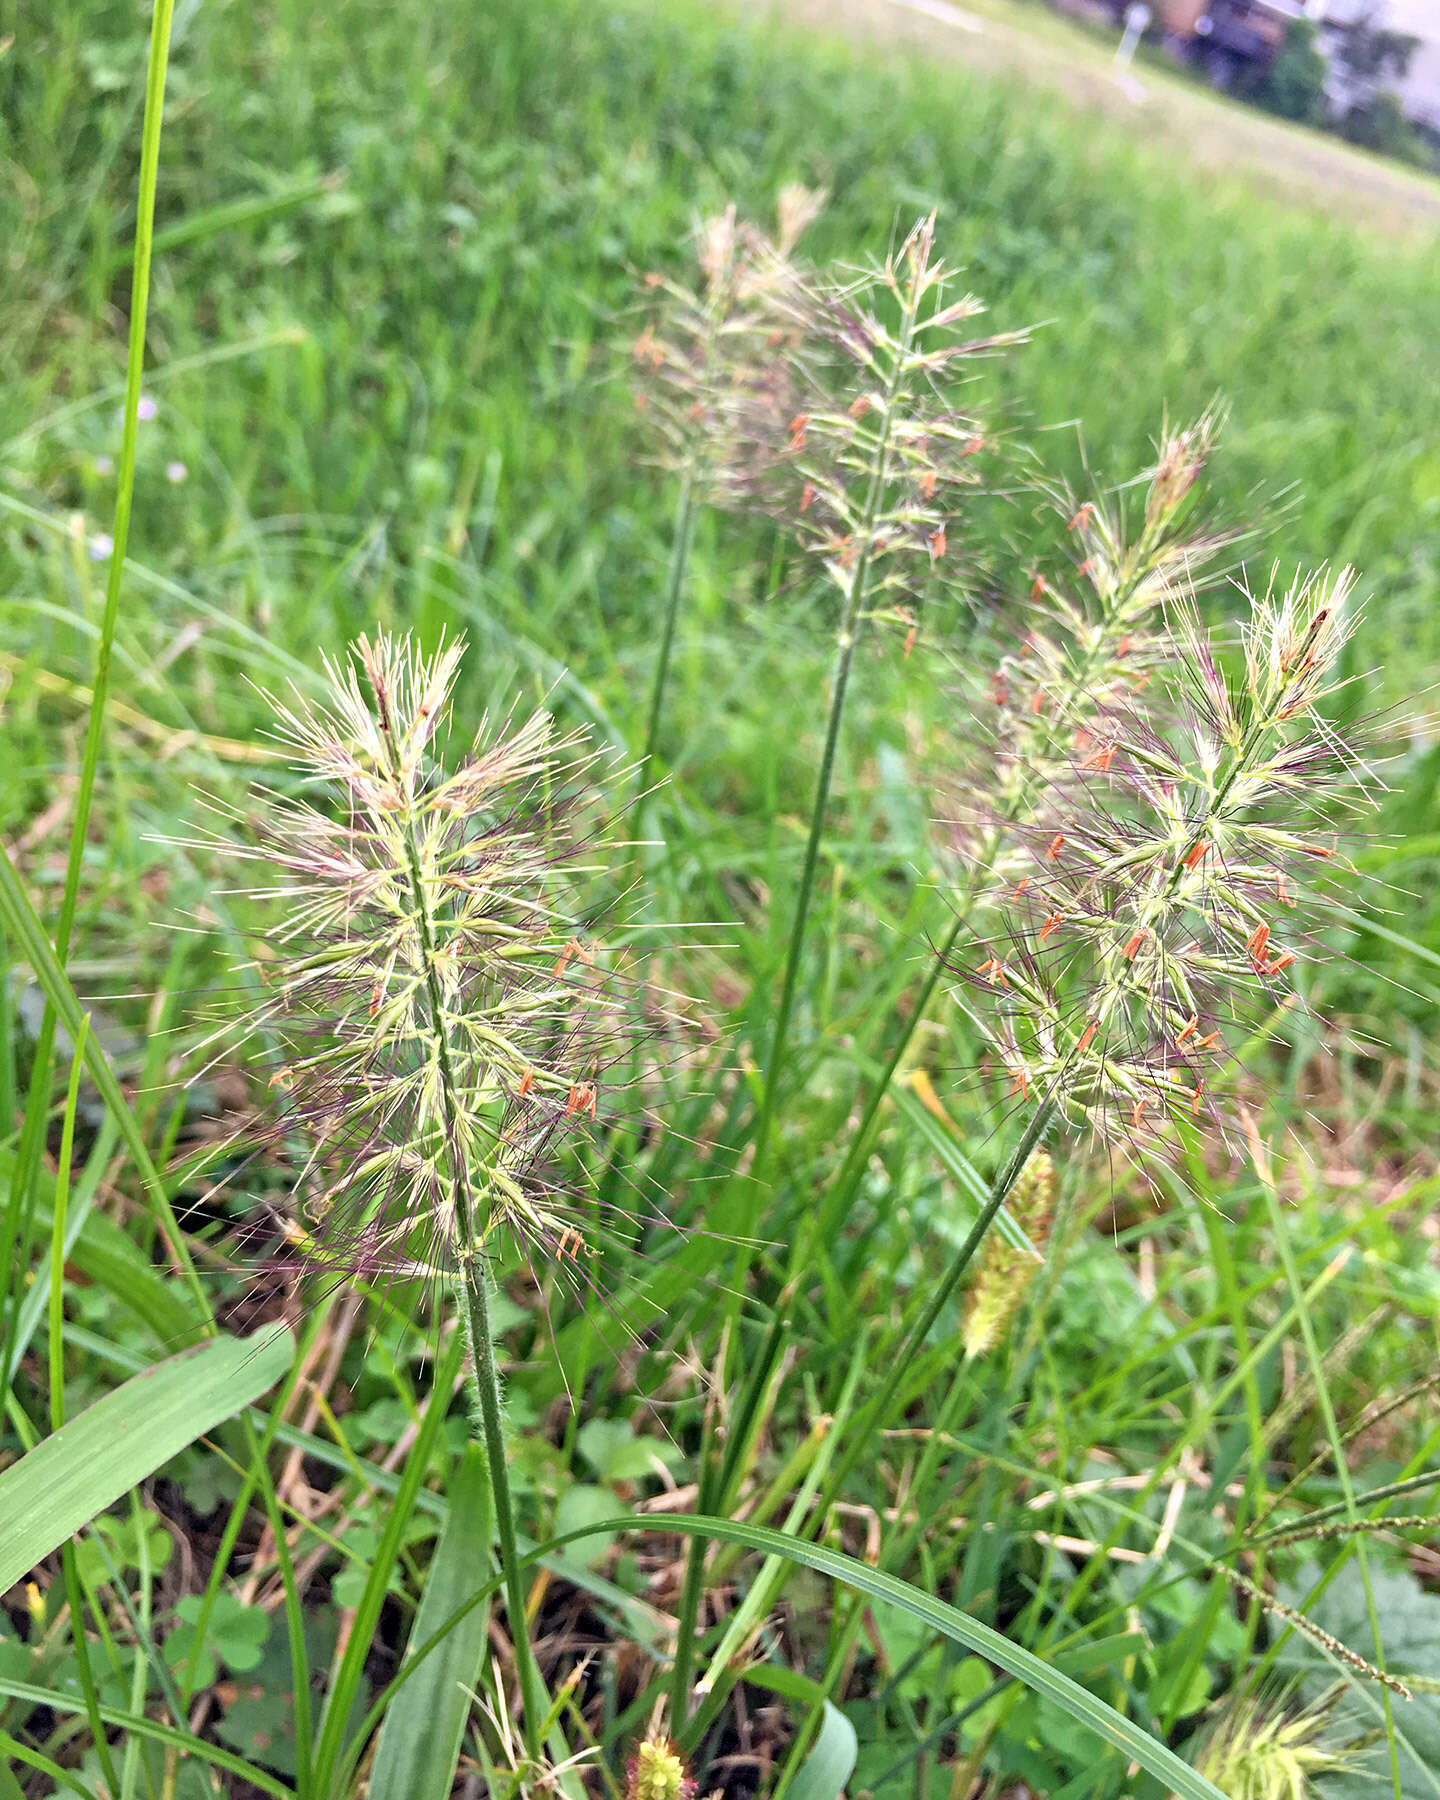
x: 389, y: 360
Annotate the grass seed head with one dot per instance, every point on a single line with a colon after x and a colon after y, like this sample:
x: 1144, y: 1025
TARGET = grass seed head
x: 656, y: 1772
x: 1165, y: 894
x: 1006, y: 1270
x: 444, y: 1020
x: 1260, y: 1753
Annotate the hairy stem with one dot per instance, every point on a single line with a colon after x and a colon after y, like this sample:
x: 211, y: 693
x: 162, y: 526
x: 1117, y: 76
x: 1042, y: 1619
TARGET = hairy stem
x: 473, y: 1283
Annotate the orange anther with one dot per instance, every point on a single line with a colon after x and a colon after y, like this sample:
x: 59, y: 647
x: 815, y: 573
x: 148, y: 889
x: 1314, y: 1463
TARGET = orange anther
x: 1087, y: 1037
x: 797, y: 430
x: 1198, y: 851
x: 1283, y: 896
x: 1123, y: 647
x: 972, y: 446
x: 999, y: 693
x: 1039, y: 589
x: 859, y: 406
x: 994, y: 971
x: 1276, y: 964
x: 1050, y: 927
x: 1137, y: 1117
x: 1209, y: 1043
x: 652, y: 280
x: 1133, y: 946
x: 1100, y: 757
x: 1057, y: 844
x: 1037, y: 702
x: 1021, y: 885
x: 1020, y: 1084
x: 937, y: 544
x: 581, y: 1099
x: 1083, y: 517
x: 1196, y: 1101
x: 807, y: 496
x: 1087, y: 566
x: 527, y: 1081
x: 1189, y: 1029
x: 927, y: 484
x: 910, y: 639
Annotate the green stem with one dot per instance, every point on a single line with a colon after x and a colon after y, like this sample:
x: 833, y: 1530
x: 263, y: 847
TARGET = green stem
x: 680, y: 543
x: 474, y: 1288
x: 902, y: 1358
x: 840, y: 682
x: 27, y: 1160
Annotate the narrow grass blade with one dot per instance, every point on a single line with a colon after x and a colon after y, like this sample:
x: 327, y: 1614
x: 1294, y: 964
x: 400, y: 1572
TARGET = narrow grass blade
x: 419, y: 1746
x: 114, y: 1444
x: 23, y: 924
x: 950, y: 1622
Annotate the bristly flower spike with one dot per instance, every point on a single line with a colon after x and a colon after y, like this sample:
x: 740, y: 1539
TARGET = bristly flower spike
x: 443, y: 1024
x: 1166, y: 892
x: 882, y: 456
x: 715, y: 362
x: 444, y: 1021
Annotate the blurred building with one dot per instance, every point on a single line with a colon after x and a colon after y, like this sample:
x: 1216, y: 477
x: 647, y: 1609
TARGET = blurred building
x: 1238, y: 41
x: 1232, y: 39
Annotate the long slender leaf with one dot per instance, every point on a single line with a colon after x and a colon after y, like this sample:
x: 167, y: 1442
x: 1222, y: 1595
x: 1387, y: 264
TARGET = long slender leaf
x: 23, y: 924
x: 110, y: 1447
x: 420, y: 1740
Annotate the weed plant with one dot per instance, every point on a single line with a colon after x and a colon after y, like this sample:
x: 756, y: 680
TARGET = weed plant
x: 994, y: 1349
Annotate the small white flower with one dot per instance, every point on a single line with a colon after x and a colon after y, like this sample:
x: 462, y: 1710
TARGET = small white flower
x: 175, y: 472
x: 104, y: 465
x: 101, y: 546
x: 147, y: 408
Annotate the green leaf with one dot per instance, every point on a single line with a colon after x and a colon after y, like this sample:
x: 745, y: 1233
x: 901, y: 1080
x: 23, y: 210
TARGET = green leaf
x: 235, y: 1636
x: 22, y: 923
x: 1084, y: 1708
x: 113, y: 1445
x: 419, y: 1747
x: 616, y: 1454
x: 831, y: 1763
x: 581, y: 1508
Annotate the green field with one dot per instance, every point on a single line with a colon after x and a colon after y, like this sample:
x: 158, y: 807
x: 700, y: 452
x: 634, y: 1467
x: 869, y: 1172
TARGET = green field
x: 398, y: 255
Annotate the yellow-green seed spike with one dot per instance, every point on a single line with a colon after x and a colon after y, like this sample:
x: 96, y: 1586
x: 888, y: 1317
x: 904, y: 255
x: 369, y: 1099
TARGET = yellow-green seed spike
x: 1005, y: 1271
x: 657, y: 1773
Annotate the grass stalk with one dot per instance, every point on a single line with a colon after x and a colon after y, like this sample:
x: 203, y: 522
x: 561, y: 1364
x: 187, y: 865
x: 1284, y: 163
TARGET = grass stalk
x: 13, y: 1250
x: 839, y: 686
x: 473, y: 1283
x: 675, y: 582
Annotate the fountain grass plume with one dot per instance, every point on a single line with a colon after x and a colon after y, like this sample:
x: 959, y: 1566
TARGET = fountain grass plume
x: 444, y: 1018
x: 1171, y: 884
